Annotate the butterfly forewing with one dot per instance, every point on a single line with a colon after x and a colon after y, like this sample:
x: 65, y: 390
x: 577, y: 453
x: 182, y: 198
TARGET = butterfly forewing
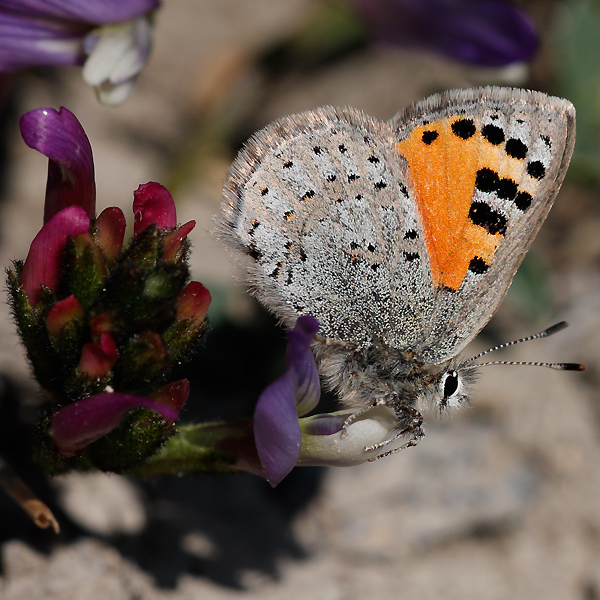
x: 485, y: 166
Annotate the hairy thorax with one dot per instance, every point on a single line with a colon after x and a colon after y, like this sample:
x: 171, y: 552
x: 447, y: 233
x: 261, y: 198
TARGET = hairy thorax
x: 379, y: 374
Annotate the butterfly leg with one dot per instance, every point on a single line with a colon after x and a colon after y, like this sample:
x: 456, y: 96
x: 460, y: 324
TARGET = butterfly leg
x: 414, y: 427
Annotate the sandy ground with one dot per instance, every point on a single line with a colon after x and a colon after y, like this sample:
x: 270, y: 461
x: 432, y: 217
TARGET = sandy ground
x: 501, y: 501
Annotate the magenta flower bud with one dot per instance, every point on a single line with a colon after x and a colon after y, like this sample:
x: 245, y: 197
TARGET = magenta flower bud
x: 174, y: 395
x: 153, y: 205
x: 193, y: 302
x: 63, y: 312
x: 98, y: 359
x: 85, y: 421
x: 59, y: 136
x: 100, y: 324
x: 172, y: 246
x: 110, y: 232
x: 43, y: 264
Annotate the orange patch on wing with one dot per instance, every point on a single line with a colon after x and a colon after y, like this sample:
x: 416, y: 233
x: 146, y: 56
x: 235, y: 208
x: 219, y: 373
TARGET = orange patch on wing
x: 443, y: 174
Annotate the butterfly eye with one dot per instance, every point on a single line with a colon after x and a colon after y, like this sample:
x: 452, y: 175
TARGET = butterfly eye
x: 450, y: 384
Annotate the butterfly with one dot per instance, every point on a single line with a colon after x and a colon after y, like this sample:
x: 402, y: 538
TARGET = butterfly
x: 402, y: 237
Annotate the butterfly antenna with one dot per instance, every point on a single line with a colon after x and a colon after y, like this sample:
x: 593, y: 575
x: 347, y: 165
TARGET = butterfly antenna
x: 542, y: 334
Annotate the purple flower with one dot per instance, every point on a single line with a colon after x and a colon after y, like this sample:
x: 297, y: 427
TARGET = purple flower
x: 491, y: 33
x: 111, y: 38
x: 277, y: 430
x: 59, y: 136
x: 283, y: 440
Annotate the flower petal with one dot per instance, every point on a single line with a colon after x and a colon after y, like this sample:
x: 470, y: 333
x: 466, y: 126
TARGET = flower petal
x: 485, y: 32
x: 344, y: 449
x: 117, y: 52
x: 44, y: 261
x: 92, y: 11
x: 85, y: 421
x: 110, y: 227
x: 276, y: 429
x: 98, y: 359
x: 300, y: 359
x: 59, y: 136
x: 323, y: 424
x: 172, y: 241
x: 193, y: 302
x: 63, y: 312
x: 26, y: 42
x: 153, y: 205
x: 173, y: 395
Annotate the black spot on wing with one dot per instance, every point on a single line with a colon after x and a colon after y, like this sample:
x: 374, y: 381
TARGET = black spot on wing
x: 429, y: 136
x: 493, y: 134
x: 485, y: 216
x: 464, y: 128
x: 478, y: 266
x: 523, y: 200
x: 536, y: 170
x: 516, y: 148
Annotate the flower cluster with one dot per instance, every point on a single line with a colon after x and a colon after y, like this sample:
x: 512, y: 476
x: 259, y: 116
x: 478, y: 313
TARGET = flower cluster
x: 103, y: 322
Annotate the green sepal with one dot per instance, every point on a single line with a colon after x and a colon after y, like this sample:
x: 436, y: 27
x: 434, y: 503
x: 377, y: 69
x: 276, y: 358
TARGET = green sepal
x: 183, y: 338
x: 47, y: 457
x: 32, y: 329
x: 141, y: 433
x: 217, y: 447
x: 85, y: 269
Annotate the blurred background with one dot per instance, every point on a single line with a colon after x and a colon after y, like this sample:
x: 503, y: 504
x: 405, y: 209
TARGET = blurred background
x: 502, y: 500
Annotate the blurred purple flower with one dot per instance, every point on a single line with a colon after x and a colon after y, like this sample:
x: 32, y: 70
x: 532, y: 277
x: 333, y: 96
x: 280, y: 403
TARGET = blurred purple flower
x: 111, y: 38
x: 490, y: 33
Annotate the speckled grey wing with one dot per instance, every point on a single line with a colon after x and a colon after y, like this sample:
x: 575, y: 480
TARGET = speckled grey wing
x: 317, y: 208
x: 525, y: 142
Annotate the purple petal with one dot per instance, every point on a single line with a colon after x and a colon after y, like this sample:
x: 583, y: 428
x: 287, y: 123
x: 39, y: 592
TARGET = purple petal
x: 44, y: 260
x: 323, y: 424
x: 85, y: 421
x: 300, y: 359
x: 26, y: 42
x: 276, y: 429
x: 90, y: 11
x: 59, y: 136
x: 485, y: 32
